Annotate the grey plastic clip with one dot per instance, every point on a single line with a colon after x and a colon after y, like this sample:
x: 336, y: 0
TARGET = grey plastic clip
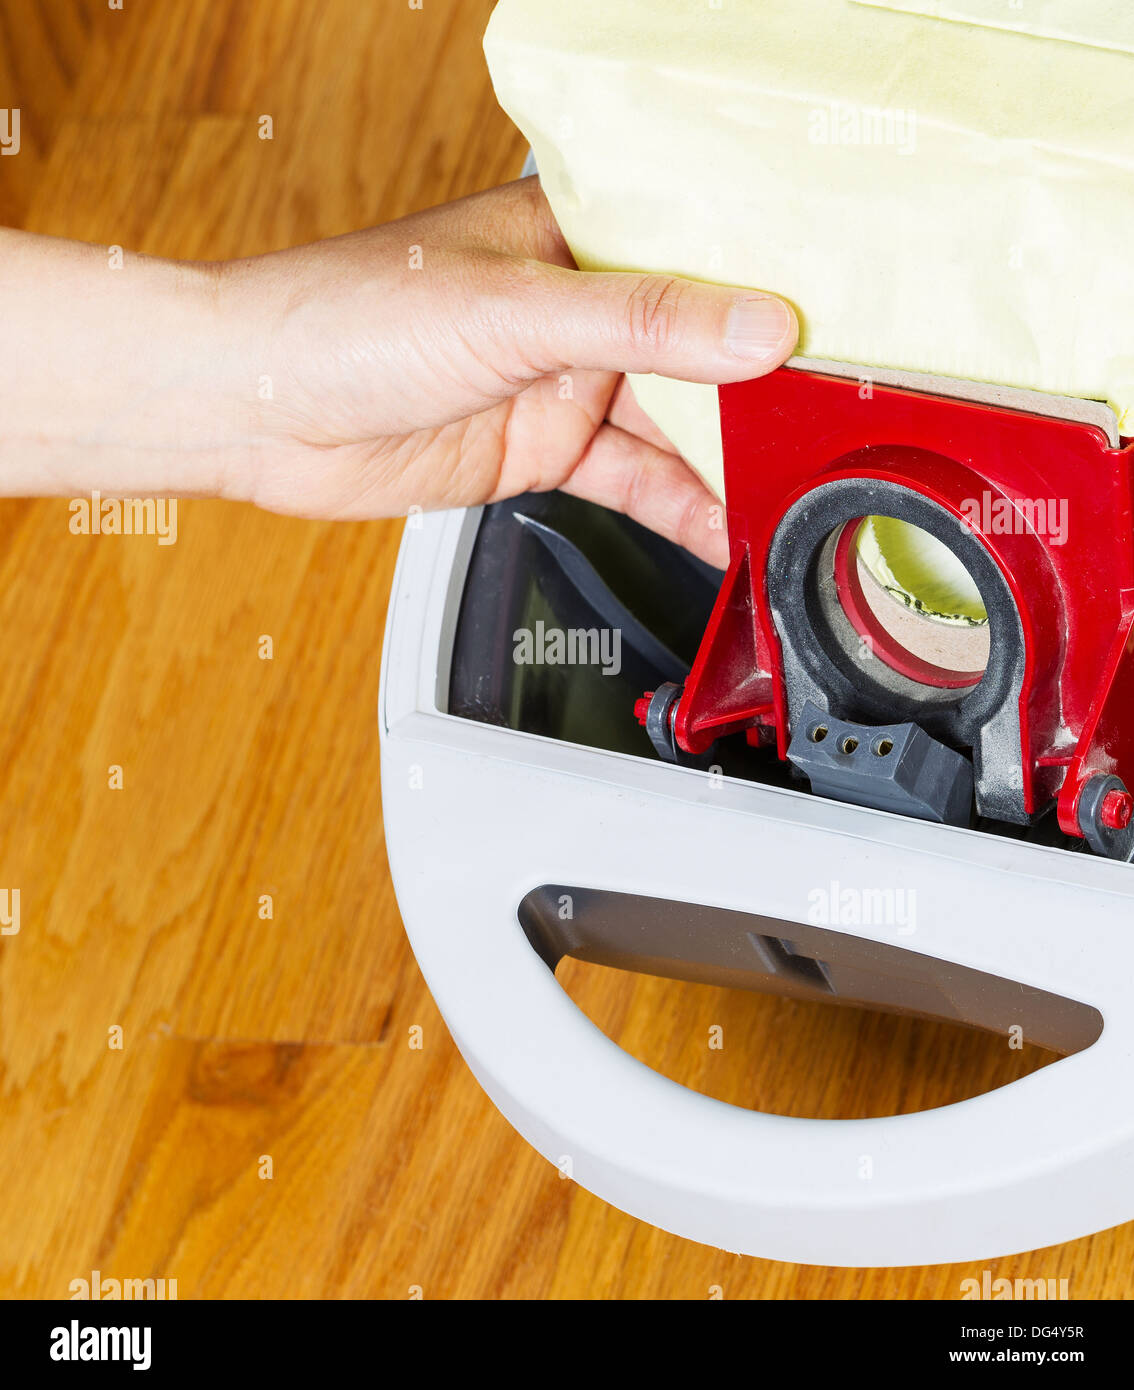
x: 1112, y: 841
x: 897, y: 768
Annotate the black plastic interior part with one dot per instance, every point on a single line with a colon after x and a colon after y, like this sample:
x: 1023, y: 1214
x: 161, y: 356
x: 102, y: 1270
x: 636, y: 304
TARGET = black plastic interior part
x: 822, y: 660
x: 712, y: 945
x: 519, y: 577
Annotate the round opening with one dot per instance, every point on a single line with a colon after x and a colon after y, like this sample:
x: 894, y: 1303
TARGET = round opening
x: 884, y: 747
x: 849, y: 744
x: 819, y: 733
x: 913, y: 602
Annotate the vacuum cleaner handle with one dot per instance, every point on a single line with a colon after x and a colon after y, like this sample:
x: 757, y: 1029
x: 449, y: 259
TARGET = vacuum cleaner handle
x: 1033, y: 1163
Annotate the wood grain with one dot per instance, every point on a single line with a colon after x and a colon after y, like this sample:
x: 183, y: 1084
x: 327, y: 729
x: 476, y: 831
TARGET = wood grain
x: 289, y: 1039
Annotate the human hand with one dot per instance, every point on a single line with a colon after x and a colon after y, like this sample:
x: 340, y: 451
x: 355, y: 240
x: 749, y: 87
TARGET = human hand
x: 450, y: 359
x: 457, y: 357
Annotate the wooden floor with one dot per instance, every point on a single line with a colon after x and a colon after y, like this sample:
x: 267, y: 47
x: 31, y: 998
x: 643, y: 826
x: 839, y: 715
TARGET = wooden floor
x: 287, y: 1039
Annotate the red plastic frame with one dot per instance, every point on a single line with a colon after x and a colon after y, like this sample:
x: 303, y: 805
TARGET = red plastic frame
x: 790, y: 432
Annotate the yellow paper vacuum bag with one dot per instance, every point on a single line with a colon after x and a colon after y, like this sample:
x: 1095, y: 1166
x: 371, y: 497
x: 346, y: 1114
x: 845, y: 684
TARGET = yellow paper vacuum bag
x: 942, y: 186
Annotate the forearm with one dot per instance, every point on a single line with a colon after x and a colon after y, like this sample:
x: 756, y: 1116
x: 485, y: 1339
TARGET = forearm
x: 127, y: 378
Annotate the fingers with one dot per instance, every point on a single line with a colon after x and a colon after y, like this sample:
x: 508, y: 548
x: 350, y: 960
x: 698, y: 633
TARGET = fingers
x: 653, y: 487
x: 511, y: 288
x: 648, y: 323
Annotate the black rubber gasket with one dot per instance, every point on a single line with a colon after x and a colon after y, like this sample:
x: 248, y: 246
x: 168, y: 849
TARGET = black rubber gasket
x: 801, y: 607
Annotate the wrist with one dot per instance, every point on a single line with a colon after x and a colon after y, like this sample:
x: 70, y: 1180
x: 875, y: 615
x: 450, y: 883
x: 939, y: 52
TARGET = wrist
x: 123, y: 373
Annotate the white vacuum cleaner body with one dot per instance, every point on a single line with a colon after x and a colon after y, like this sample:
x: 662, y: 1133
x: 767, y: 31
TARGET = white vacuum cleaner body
x: 528, y: 819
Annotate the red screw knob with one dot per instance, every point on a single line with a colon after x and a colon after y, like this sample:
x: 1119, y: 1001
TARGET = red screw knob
x: 642, y: 707
x: 1117, y: 810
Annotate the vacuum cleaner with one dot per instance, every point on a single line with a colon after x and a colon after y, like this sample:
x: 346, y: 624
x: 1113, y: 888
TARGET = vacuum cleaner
x: 886, y: 759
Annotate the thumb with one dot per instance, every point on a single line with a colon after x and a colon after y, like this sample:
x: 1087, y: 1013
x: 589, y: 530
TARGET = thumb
x: 652, y: 323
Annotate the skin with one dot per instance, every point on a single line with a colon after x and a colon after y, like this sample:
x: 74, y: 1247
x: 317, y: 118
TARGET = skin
x: 357, y: 378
